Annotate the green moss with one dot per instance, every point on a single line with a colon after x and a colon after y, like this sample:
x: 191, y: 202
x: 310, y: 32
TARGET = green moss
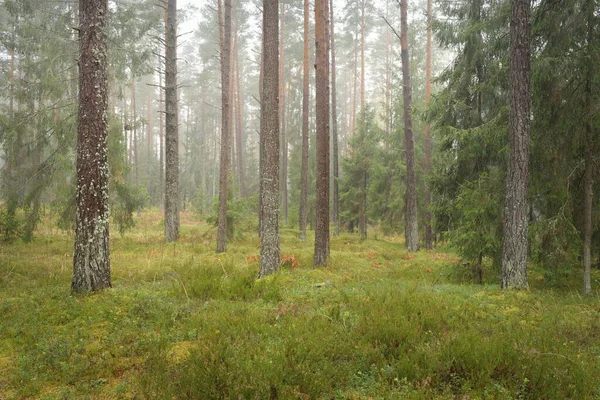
x: 182, y: 322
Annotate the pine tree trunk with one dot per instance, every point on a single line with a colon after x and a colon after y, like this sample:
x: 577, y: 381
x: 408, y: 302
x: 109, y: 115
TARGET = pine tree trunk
x: 334, y: 128
x: 261, y: 153
x: 240, y: 129
x: 269, y: 142
x: 362, y: 212
x: 171, y: 132
x: 362, y: 60
x: 322, y: 114
x: 149, y: 135
x: 203, y: 145
x: 284, y: 152
x: 428, y: 231
x: 134, y: 133
x: 225, y: 165
x: 91, y: 258
x: 353, y: 116
x: 514, y: 249
x: 161, y: 136
x: 305, y: 99
x: 388, y: 79
x: 412, y: 229
x: 588, y: 177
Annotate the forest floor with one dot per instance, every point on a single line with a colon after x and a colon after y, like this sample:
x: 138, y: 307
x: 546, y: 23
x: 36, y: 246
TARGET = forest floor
x: 379, y: 323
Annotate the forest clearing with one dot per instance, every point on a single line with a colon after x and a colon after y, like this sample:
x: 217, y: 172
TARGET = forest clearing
x: 377, y: 323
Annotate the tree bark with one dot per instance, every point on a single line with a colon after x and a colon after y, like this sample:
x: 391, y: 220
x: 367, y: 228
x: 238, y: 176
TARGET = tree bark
x: 514, y: 249
x: 412, y: 228
x: 362, y: 212
x: 353, y: 116
x: 225, y: 164
x: 284, y: 149
x: 269, y: 142
x: 588, y: 177
x: 428, y: 231
x: 91, y: 258
x: 335, y: 142
x: 322, y: 114
x: 134, y: 133
x: 362, y: 60
x: 171, y: 131
x: 305, y: 104
x: 161, y: 136
x: 240, y: 129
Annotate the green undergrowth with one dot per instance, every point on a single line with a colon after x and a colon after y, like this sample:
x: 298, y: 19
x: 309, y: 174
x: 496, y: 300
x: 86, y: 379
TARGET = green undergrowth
x: 182, y: 322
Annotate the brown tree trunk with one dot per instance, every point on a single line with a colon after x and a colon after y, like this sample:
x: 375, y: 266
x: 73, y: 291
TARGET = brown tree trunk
x: 269, y: 142
x: 588, y: 177
x: 362, y: 212
x: 91, y: 258
x: 353, y: 116
x: 412, y: 229
x: 334, y: 127
x: 305, y: 99
x: 388, y: 79
x: 284, y: 149
x: 240, y: 128
x: 261, y: 153
x: 171, y: 131
x: 428, y: 231
x: 134, y: 133
x: 362, y: 60
x: 225, y: 164
x: 322, y: 110
x: 514, y: 249
x: 161, y: 136
x: 149, y: 135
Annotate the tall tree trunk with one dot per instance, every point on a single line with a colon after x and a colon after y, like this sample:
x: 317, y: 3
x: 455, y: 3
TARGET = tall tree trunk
x: 428, y: 232
x: 588, y: 177
x: 284, y: 152
x: 362, y: 60
x: 91, y: 258
x: 225, y: 164
x: 240, y: 128
x: 134, y: 133
x: 362, y: 212
x: 149, y: 135
x: 171, y: 133
x: 305, y: 99
x: 269, y: 142
x: 388, y: 79
x: 261, y: 153
x: 514, y: 249
x: 334, y: 126
x: 203, y: 144
x: 353, y: 116
x: 161, y: 135
x: 322, y: 114
x: 412, y: 229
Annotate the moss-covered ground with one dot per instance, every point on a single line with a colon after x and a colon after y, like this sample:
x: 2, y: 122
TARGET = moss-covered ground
x: 184, y: 323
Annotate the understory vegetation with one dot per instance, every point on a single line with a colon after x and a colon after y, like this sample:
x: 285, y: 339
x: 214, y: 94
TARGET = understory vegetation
x: 378, y: 323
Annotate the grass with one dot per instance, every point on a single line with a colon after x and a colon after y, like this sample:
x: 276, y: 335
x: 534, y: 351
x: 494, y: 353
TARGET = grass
x: 184, y: 323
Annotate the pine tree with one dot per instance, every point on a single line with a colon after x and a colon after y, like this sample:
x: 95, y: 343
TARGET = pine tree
x: 172, y: 127
x: 322, y: 110
x: 225, y: 165
x: 514, y: 250
x: 412, y: 229
x: 269, y: 142
x: 91, y: 259
x: 303, y: 217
